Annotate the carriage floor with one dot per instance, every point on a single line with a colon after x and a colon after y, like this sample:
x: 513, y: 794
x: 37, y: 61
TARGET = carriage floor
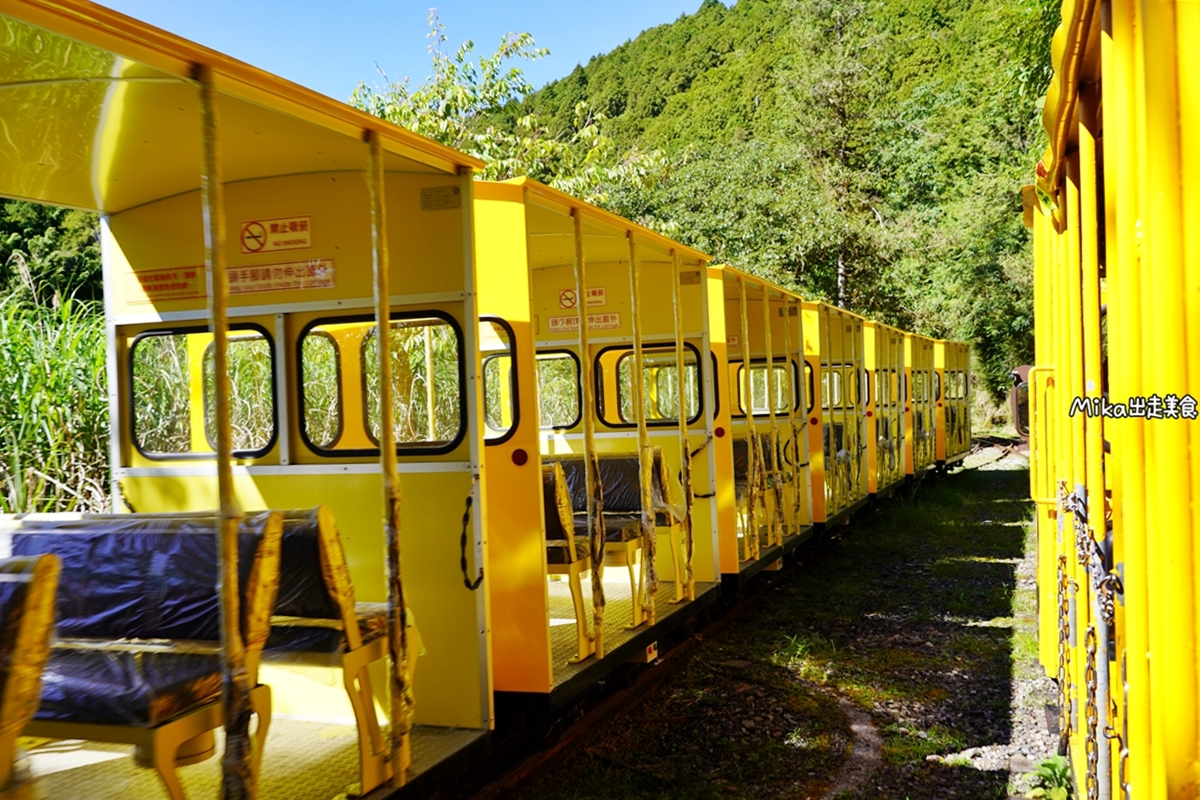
x: 303, y: 760
x: 618, y: 613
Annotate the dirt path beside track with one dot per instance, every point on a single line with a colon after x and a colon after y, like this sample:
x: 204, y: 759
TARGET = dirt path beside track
x: 897, y: 662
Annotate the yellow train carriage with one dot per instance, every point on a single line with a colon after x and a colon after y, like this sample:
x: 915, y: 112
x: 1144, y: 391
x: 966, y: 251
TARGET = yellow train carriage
x: 766, y: 394
x: 952, y: 412
x: 104, y: 113
x: 1112, y: 420
x: 884, y: 360
x: 552, y: 394
x: 919, y: 424
x: 834, y: 349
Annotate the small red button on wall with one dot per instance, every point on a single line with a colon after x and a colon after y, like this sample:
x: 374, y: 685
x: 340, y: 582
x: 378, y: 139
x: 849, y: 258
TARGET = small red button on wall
x: 520, y: 457
x: 813, y: 421
x: 719, y: 432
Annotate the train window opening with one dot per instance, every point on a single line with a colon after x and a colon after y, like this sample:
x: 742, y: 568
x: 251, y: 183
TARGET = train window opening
x: 427, y: 392
x: 173, y: 393
x: 499, y: 380
x: 251, y: 393
x: 558, y: 389
x: 760, y: 388
x: 162, y: 420
x: 321, y: 389
x: 660, y: 385
x: 937, y: 386
x: 918, y: 387
x: 808, y: 381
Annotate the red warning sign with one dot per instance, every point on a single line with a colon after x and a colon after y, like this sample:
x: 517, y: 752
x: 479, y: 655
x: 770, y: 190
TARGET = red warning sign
x: 272, y: 235
x: 567, y: 298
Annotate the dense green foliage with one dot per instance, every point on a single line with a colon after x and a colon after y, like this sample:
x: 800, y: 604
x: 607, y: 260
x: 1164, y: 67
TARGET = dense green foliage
x: 457, y: 106
x: 53, y: 408
x: 867, y: 152
x: 48, y: 254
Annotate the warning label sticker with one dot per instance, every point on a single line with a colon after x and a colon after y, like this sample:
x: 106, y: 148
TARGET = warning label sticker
x: 316, y: 273
x: 181, y: 283
x: 596, y: 322
x: 596, y: 296
x: 272, y: 235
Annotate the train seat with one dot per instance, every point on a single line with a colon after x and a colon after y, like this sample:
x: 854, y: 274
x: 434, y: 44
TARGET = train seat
x: 137, y: 660
x: 621, y: 488
x: 567, y: 555
x: 318, y: 621
x: 26, y: 622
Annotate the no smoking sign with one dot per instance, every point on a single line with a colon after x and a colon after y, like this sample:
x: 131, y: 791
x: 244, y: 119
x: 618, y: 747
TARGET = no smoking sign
x: 567, y: 298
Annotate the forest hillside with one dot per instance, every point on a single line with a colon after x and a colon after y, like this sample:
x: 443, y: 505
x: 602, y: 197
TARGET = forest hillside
x: 866, y: 152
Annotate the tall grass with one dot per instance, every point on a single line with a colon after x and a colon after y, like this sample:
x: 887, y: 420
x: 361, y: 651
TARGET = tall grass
x: 53, y: 408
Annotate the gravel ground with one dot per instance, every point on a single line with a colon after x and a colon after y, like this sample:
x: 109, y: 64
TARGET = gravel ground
x: 898, y: 661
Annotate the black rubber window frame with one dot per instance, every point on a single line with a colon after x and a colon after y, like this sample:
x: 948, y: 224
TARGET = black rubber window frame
x: 739, y: 406
x: 657, y: 423
x: 578, y: 383
x: 408, y: 449
x: 341, y: 414
x: 513, y: 381
x: 195, y: 456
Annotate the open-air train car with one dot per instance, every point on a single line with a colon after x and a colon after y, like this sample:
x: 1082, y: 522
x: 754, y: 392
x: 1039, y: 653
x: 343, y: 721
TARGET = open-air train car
x: 102, y: 112
x: 919, y: 419
x: 952, y: 384
x: 569, y: 392
x: 884, y: 347
x: 833, y: 347
x: 1114, y: 430
x: 761, y: 403
x: 557, y: 394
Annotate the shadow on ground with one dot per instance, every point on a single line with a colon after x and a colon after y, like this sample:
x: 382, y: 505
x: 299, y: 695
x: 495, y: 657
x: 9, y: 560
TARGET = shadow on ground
x: 908, y: 614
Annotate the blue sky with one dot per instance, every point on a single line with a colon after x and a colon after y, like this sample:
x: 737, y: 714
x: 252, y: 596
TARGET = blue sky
x: 331, y: 46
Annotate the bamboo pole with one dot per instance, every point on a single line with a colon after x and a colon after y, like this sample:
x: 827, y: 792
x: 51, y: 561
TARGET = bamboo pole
x: 645, y: 454
x: 430, y: 396
x: 685, y: 450
x: 751, y: 547
x: 403, y: 702
x: 237, y: 778
x: 595, y: 494
x: 776, y: 526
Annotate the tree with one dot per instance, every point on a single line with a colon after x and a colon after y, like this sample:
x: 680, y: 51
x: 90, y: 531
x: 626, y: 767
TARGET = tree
x: 830, y: 95
x: 48, y: 253
x: 459, y: 105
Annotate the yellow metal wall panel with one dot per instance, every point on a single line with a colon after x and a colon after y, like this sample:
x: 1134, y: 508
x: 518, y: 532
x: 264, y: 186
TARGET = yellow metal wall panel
x: 722, y: 449
x: 517, y: 552
x: 165, y: 237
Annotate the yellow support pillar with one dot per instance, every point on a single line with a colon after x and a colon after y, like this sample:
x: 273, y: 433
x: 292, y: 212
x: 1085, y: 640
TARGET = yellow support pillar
x: 685, y: 450
x: 751, y: 545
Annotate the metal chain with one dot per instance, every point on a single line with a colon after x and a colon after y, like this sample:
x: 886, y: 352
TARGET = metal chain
x: 1108, y: 588
x: 1064, y: 610
x: 1124, y: 767
x: 1092, y: 715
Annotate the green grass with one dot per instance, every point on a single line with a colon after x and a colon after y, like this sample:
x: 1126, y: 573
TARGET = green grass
x: 53, y: 408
